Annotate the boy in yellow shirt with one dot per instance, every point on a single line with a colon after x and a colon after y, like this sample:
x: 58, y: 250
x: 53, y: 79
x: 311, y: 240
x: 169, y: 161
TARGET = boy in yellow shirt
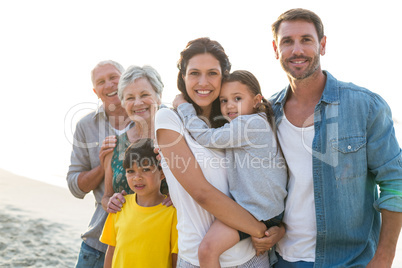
x: 143, y: 233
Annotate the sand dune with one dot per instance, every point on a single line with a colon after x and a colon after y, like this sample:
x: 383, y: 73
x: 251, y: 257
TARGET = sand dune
x: 40, y: 224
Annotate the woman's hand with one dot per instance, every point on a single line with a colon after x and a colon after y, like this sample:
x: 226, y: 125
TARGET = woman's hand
x: 107, y: 147
x: 158, y: 157
x: 179, y: 99
x: 272, y: 236
x: 116, y: 202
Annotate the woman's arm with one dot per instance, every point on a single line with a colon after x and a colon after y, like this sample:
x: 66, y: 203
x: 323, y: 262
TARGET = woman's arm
x: 173, y: 147
x: 111, y: 201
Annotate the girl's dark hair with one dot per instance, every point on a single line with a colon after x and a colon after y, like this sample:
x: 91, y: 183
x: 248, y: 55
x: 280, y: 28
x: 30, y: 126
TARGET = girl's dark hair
x: 248, y: 79
x: 201, y: 46
x: 141, y: 152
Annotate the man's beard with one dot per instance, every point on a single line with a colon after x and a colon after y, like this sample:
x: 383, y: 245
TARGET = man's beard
x: 314, y: 65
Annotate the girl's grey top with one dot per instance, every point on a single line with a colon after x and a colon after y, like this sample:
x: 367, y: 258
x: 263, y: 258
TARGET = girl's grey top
x: 256, y: 169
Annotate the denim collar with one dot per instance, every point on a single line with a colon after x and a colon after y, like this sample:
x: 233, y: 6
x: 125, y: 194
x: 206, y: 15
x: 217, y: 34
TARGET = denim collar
x: 331, y: 90
x: 329, y: 95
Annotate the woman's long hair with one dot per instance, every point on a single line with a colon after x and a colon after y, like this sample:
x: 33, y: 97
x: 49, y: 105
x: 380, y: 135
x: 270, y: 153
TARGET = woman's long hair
x: 201, y: 46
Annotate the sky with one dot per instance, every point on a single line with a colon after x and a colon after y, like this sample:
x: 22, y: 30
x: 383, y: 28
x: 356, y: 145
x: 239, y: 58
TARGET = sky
x: 48, y: 49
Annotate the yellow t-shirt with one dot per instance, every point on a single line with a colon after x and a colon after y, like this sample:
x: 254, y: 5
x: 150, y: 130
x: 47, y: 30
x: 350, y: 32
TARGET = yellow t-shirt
x: 142, y: 236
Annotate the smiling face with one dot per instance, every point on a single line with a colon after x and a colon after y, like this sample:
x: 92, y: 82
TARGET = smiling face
x: 144, y: 180
x: 298, y: 49
x: 106, y: 80
x: 203, y: 80
x: 141, y: 101
x: 236, y: 99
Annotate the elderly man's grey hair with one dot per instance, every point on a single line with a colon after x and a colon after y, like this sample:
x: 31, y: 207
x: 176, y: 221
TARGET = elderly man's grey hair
x: 118, y: 66
x: 135, y: 72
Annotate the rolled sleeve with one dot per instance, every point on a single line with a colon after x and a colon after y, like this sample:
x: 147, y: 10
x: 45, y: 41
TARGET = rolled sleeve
x: 389, y: 180
x: 384, y: 156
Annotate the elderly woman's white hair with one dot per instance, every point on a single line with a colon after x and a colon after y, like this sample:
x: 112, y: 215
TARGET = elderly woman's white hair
x: 118, y: 66
x: 135, y: 72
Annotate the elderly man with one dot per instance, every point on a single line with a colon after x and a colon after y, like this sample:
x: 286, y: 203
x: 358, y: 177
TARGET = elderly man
x: 86, y: 171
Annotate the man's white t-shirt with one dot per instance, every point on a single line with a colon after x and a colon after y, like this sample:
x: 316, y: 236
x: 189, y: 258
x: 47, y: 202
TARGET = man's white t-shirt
x: 299, y: 241
x: 193, y: 221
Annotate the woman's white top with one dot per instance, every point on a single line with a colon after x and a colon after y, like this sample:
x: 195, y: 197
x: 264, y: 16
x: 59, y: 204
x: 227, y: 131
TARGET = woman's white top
x: 193, y: 220
x: 298, y: 244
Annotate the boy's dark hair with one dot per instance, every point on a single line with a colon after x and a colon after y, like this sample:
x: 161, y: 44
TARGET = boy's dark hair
x: 141, y: 152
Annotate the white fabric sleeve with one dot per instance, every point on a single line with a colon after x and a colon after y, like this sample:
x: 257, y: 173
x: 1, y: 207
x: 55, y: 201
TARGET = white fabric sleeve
x: 166, y: 118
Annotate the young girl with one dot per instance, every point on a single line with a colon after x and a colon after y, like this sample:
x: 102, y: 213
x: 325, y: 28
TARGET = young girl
x: 257, y: 172
x: 143, y: 233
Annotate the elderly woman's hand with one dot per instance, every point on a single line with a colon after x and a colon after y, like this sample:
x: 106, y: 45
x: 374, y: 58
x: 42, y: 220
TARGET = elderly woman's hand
x: 107, y: 147
x: 167, y: 201
x: 272, y: 236
x: 178, y: 100
x: 116, y: 202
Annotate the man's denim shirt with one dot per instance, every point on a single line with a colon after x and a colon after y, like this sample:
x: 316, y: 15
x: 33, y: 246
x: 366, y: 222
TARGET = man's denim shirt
x: 354, y: 149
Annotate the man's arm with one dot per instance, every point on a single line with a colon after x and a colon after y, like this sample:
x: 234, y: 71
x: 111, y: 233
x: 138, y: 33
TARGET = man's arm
x: 90, y: 180
x: 81, y: 176
x: 390, y: 229
x: 385, y: 162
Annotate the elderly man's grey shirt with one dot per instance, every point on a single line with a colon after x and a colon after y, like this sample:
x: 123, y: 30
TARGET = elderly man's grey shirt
x: 90, y: 132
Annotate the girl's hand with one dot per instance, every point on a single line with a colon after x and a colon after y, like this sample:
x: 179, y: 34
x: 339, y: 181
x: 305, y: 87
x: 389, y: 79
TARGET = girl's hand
x: 116, y: 202
x: 179, y: 99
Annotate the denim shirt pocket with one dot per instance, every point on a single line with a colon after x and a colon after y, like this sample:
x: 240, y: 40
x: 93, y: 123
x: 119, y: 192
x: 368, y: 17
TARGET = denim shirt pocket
x: 350, y: 153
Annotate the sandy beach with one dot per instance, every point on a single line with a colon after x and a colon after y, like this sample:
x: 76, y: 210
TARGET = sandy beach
x: 40, y: 224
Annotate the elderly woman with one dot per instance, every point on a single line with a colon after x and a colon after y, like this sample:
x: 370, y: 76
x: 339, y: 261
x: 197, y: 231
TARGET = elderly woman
x: 139, y: 90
